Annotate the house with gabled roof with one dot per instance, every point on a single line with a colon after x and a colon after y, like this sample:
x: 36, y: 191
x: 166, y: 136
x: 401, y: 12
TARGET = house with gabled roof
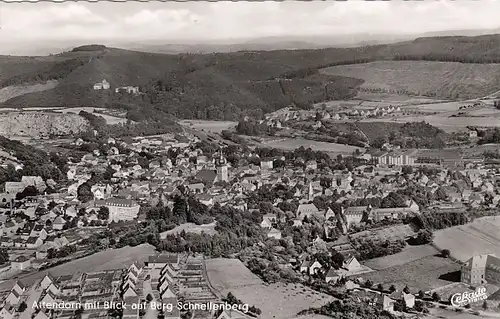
x: 233, y: 314
x: 129, y: 282
x: 164, y: 284
x: 160, y: 261
x: 307, y: 210
x: 268, y: 220
x: 7, y: 312
x: 33, y: 242
x: 58, y: 223
x: 54, y: 289
x: 42, y: 315
x: 168, y: 275
x: 354, y: 215
x: 136, y: 267
x: 13, y: 297
x: 168, y: 293
x: 48, y: 298
x: 175, y: 313
x: 407, y: 299
x: 47, y: 280
x: 19, y: 287
x: 130, y: 292
x: 21, y: 263
x: 128, y: 312
x: 385, y: 303
x: 332, y: 276
x: 310, y: 267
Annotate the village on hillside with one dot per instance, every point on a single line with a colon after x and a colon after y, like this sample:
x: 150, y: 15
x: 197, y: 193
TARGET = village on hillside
x: 331, y: 223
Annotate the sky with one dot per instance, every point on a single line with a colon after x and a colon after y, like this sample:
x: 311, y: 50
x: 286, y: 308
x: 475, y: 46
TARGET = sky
x: 38, y: 23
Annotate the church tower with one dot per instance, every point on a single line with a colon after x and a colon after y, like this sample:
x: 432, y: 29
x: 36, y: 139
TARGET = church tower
x: 222, y: 169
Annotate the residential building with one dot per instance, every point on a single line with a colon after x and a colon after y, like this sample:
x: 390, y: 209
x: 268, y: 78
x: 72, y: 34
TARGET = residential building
x: 21, y: 263
x: 481, y: 269
x: 120, y: 209
x: 104, y: 85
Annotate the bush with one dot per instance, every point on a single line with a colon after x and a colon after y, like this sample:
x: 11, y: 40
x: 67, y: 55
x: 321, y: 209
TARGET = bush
x: 445, y: 253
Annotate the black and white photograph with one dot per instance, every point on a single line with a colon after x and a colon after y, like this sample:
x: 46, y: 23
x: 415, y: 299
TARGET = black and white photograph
x: 249, y: 160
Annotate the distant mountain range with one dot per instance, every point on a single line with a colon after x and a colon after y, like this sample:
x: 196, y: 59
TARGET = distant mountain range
x: 227, y: 85
x: 233, y: 45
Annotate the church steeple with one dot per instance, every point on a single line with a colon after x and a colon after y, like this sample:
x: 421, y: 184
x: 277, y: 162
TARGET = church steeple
x: 220, y: 161
x: 311, y: 191
x: 222, y: 170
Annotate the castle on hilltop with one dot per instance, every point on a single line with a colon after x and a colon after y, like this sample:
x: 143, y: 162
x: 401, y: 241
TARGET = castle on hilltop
x: 104, y: 85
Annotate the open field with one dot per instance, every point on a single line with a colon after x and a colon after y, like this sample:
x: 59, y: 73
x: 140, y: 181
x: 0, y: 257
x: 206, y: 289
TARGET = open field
x: 279, y: 301
x: 447, y: 291
x: 10, y: 92
x: 485, y: 111
x: 436, y: 107
x: 409, y: 254
x: 394, y: 99
x: 104, y: 260
x: 477, y: 150
x: 293, y: 143
x: 479, y: 237
x: 437, y: 313
x: 440, y: 79
x: 211, y: 126
x: 446, y: 123
x: 191, y: 228
x: 422, y: 274
x: 109, y: 118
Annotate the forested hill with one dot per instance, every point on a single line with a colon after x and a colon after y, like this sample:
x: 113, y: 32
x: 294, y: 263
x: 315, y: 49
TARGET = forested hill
x: 218, y: 85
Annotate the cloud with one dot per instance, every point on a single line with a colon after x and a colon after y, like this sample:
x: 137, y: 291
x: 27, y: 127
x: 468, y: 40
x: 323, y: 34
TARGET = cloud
x: 222, y: 20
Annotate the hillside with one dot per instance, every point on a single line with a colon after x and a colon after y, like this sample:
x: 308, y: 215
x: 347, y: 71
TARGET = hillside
x: 35, y: 162
x: 37, y: 124
x: 223, y: 85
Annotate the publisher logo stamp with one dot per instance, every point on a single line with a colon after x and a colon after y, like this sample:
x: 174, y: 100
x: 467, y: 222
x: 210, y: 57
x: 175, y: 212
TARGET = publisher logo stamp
x: 467, y: 298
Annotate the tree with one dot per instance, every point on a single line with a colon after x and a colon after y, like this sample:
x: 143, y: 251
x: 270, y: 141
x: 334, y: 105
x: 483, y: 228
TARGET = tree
x: 485, y: 305
x: 22, y: 306
x: 84, y: 193
x: 436, y: 297
x: 326, y: 182
x: 419, y: 306
x: 380, y: 287
x: 103, y: 213
x: 406, y: 290
x: 423, y: 237
x: 368, y: 284
x: 407, y: 170
x: 149, y: 298
x: 445, y: 253
x: 421, y: 294
x: 4, y: 256
x: 392, y: 289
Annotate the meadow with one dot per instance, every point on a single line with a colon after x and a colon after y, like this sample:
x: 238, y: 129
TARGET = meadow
x: 444, y: 122
x: 394, y: 99
x: 191, y: 228
x: 425, y: 274
x: 482, y: 236
x: 294, y: 143
x: 409, y: 254
x: 438, y: 79
x: 10, y: 92
x: 104, y: 260
x: 210, y: 126
x: 278, y: 301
